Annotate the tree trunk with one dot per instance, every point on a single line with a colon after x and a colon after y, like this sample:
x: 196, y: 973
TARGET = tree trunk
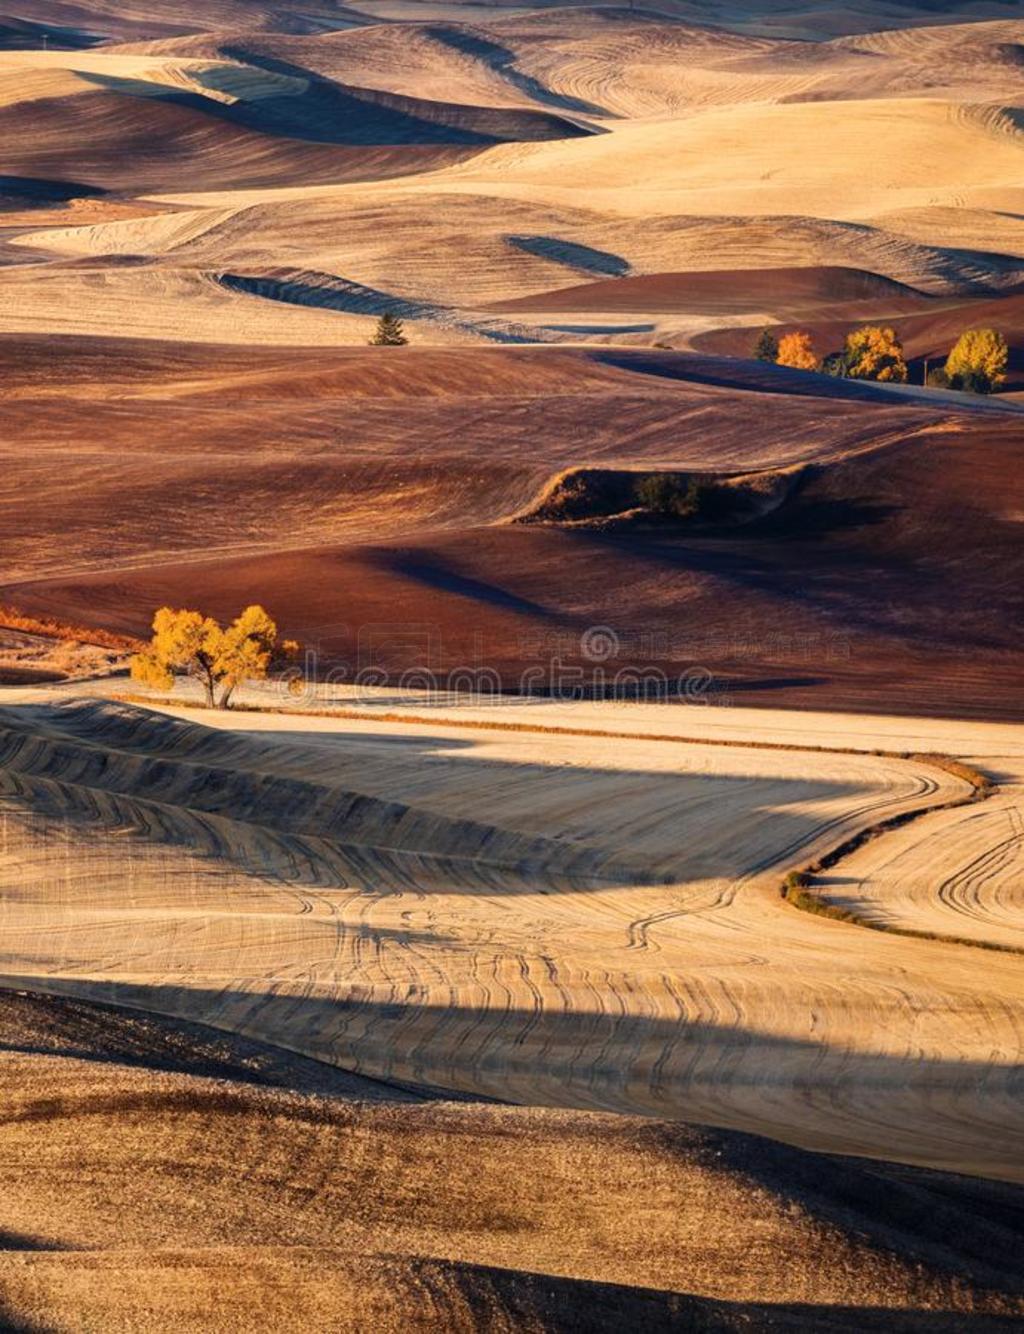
x: 208, y: 687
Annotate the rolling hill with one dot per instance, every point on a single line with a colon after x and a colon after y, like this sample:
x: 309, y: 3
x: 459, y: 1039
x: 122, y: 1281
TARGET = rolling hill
x: 619, y: 926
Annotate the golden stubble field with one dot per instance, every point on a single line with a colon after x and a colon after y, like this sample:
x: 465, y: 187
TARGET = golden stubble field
x: 230, y: 185
x: 582, y: 921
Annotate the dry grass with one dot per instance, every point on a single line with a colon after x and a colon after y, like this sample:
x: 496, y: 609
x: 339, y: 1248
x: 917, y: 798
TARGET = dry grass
x: 13, y: 618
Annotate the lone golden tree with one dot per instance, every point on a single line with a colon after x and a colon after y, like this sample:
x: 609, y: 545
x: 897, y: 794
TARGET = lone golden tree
x: 186, y: 643
x: 797, y: 350
x: 978, y: 361
x: 875, y: 353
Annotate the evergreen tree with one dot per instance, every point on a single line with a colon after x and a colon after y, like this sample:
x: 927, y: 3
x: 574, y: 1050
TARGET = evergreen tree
x: 389, y: 332
x: 767, y: 346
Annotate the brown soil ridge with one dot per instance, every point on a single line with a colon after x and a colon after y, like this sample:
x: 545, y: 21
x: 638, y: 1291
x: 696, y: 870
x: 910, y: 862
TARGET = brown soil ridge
x: 897, y: 618
x: 606, y: 497
x: 811, y: 288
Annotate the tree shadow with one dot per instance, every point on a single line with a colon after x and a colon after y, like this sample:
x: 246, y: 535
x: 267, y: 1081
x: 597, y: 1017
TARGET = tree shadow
x: 429, y: 569
x: 18, y: 1241
x: 750, y: 377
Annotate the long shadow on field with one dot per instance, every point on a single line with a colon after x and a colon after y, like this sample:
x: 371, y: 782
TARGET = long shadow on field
x: 814, y: 557
x: 750, y: 377
x: 572, y: 254
x: 970, y: 1227
x: 332, y: 292
x: 489, y: 52
x: 328, y: 106
x: 37, y: 1024
x: 431, y: 570
x: 344, y: 809
x: 317, y: 110
x: 18, y: 1241
x: 678, y: 1070
x: 922, y: 1235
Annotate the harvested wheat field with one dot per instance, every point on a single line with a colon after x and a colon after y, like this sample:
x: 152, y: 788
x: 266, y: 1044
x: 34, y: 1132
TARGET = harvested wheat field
x: 345, y: 890
x: 601, y: 907
x: 533, y: 917
x: 266, y: 1192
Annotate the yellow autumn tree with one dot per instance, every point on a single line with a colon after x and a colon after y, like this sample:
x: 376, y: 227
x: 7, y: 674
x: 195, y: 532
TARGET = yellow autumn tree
x: 797, y: 350
x: 978, y: 361
x: 875, y: 353
x: 186, y: 643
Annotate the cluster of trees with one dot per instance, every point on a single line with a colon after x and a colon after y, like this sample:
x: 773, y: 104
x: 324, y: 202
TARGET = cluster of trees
x: 220, y: 658
x: 977, y: 364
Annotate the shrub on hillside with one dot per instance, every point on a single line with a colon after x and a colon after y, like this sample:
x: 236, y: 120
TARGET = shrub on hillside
x: 767, y: 346
x: 13, y: 618
x: 835, y: 364
x: 670, y: 496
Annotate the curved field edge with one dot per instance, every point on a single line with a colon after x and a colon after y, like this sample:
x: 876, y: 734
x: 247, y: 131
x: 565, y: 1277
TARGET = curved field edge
x: 798, y: 889
x: 533, y: 1032
x: 948, y: 764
